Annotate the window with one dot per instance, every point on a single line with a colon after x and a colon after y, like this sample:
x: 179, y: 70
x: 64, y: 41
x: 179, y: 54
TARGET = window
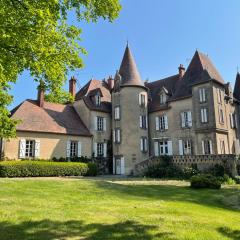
x: 73, y: 149
x: 30, y: 148
x: 117, y: 135
x: 162, y: 98
x: 222, y: 147
x: 163, y: 147
x: 162, y: 123
x: 143, y: 121
x: 186, y: 118
x: 142, y: 99
x: 204, y: 115
x: 202, y: 95
x: 221, y: 117
x: 219, y: 93
x: 117, y: 113
x: 100, y: 123
x: 143, y: 144
x: 98, y: 100
x: 207, y: 147
x: 187, y: 147
x: 232, y: 120
x: 100, y: 149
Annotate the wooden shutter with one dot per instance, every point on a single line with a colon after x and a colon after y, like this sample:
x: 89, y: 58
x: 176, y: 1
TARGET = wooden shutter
x: 146, y: 144
x: 183, y: 119
x: 156, y: 149
x: 95, y: 123
x: 166, y: 121
x: 146, y: 121
x: 202, y: 115
x: 170, y: 152
x: 140, y: 121
x: 22, y: 148
x: 203, y: 95
x: 180, y: 145
x: 114, y: 169
x: 79, y: 149
x: 203, y: 148
x: 122, y: 166
x: 95, y: 149
x: 200, y: 95
x: 189, y: 113
x: 205, y: 115
x: 139, y: 99
x: 104, y: 124
x: 105, y: 150
x: 37, y: 148
x: 141, y: 144
x: 118, y: 135
x: 114, y: 135
x: 68, y: 148
x: 157, y: 123
x: 210, y: 144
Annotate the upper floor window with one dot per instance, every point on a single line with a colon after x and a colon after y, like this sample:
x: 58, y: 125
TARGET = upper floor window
x: 143, y: 144
x: 143, y: 121
x: 204, y: 115
x: 221, y: 116
x: 100, y: 124
x: 142, y: 99
x: 186, y: 118
x: 161, y: 123
x: 232, y: 120
x: 117, y: 135
x: 117, y: 113
x: 202, y: 95
x: 163, y: 98
x: 98, y: 100
x: 219, y: 94
x: 207, y: 147
x: 100, y: 149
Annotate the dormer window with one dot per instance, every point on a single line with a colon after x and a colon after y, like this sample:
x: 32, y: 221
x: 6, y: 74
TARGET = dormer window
x: 98, y: 100
x: 163, y: 98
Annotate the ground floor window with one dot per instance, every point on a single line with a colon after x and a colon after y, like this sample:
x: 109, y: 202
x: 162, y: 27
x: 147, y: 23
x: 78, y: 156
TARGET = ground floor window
x: 187, y: 147
x: 163, y: 147
x: 30, y: 148
x: 207, y: 147
x: 100, y: 149
x: 222, y: 147
x: 73, y: 149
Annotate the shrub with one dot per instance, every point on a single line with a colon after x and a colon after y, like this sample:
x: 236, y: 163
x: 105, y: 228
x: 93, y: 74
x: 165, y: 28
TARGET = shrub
x: 238, y: 169
x: 226, y: 179
x: 205, y: 181
x: 44, y: 169
x: 237, y: 179
x: 188, y: 172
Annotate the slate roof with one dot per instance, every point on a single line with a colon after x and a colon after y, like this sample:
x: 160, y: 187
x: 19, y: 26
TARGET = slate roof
x: 52, y: 118
x: 236, y: 91
x: 91, y: 88
x: 128, y: 70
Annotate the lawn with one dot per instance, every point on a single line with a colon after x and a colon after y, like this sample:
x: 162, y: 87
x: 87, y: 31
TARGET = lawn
x: 101, y: 208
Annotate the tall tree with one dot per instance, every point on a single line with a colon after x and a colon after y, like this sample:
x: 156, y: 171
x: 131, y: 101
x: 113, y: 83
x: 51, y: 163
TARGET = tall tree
x: 35, y: 35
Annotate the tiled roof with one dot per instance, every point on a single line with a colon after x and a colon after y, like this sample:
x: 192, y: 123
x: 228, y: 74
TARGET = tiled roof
x: 128, y: 70
x: 52, y: 118
x: 93, y: 86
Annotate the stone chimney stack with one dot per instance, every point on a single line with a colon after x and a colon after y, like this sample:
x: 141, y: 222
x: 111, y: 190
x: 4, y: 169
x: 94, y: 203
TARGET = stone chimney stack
x: 41, y: 90
x: 72, y: 86
x: 110, y: 82
x: 181, y: 71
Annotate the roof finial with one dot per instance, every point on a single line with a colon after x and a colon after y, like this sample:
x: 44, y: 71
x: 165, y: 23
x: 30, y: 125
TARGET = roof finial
x: 127, y: 42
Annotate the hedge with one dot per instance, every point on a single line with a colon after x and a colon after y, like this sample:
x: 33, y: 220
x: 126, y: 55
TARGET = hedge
x: 46, y: 169
x: 205, y: 181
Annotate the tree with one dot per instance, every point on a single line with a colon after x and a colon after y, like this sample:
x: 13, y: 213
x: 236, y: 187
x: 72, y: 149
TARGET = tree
x: 35, y: 35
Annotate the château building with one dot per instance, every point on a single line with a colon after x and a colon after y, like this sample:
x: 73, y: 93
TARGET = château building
x: 126, y: 120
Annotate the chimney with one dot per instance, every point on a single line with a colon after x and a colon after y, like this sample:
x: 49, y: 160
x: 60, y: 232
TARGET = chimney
x: 181, y: 71
x: 110, y: 82
x: 41, y: 90
x: 72, y: 86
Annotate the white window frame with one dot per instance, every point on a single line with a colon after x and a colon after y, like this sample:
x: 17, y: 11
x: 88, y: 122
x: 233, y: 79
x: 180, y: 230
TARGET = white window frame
x: 187, y: 147
x: 186, y: 119
x: 100, y: 149
x: 101, y: 124
x: 204, y: 115
x: 117, y: 113
x: 117, y: 135
x: 143, y: 121
x: 30, y: 148
x: 162, y: 123
x: 143, y: 144
x: 163, y: 99
x: 207, y: 147
x: 142, y: 99
x: 202, y: 95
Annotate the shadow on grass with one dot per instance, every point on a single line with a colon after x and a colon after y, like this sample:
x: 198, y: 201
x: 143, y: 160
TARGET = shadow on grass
x: 231, y: 234
x: 227, y: 198
x: 51, y: 230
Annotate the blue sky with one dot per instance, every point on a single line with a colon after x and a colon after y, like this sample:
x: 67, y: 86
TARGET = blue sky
x: 161, y: 34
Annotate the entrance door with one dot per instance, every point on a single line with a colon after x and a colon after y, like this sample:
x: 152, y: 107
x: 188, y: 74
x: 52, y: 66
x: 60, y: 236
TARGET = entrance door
x: 118, y: 166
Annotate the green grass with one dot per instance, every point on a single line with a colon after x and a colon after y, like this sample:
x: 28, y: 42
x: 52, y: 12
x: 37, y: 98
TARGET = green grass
x: 58, y: 208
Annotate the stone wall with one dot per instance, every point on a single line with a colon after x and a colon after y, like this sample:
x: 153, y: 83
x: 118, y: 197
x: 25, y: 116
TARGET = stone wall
x: 203, y: 162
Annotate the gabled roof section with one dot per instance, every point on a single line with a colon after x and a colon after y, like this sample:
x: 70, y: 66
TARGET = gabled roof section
x: 52, y: 118
x: 200, y: 70
x: 236, y: 92
x: 128, y: 70
x: 93, y: 87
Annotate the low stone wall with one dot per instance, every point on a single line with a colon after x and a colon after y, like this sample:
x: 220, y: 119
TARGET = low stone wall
x: 203, y: 162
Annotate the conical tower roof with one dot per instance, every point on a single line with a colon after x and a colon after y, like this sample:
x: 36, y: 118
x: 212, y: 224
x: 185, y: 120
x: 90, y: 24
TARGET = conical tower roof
x: 128, y: 70
x: 236, y: 92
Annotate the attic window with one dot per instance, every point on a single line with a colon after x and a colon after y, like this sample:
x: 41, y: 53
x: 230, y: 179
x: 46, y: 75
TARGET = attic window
x: 98, y: 100
x: 163, y: 98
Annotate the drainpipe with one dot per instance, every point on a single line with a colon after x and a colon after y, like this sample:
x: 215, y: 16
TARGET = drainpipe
x: 1, y: 148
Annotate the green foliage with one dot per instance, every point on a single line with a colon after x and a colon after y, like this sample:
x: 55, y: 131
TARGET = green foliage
x: 36, y: 36
x: 45, y: 169
x: 75, y: 159
x: 164, y: 169
x: 188, y: 172
x: 205, y: 181
x: 217, y: 170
